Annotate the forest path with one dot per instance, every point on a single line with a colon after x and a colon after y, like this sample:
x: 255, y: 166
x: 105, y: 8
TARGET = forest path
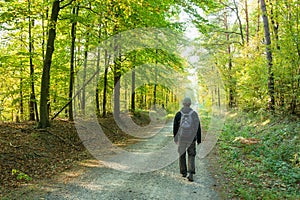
x: 101, y: 182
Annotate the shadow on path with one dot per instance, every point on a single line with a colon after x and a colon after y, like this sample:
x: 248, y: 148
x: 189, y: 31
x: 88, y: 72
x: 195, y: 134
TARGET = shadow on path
x: 102, y: 182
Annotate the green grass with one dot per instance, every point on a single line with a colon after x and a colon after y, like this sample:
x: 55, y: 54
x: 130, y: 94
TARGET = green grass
x: 269, y: 169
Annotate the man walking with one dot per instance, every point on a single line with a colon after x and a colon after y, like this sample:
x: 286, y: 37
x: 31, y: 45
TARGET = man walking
x: 187, y: 131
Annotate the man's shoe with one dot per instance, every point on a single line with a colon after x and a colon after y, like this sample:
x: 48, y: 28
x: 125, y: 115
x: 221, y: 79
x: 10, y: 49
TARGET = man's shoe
x: 184, y: 175
x: 190, y: 177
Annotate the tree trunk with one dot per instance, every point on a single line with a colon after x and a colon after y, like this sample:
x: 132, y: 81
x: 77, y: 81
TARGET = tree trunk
x: 117, y: 77
x: 275, y: 25
x: 271, y: 88
x: 97, y: 76
x: 106, y: 61
x: 98, y: 83
x: 77, y: 101
x: 44, y: 16
x: 84, y: 73
x: 155, y: 84
x: 133, y: 89
x: 76, y: 94
x: 21, y: 97
x: 247, y: 21
x: 240, y: 22
x: 154, y: 96
x: 258, y: 26
x: 31, y: 100
x: 33, y: 112
x: 44, y: 115
x: 230, y: 80
x: 71, y: 83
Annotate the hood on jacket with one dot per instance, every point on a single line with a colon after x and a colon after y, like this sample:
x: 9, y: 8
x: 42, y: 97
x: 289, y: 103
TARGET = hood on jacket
x: 186, y: 109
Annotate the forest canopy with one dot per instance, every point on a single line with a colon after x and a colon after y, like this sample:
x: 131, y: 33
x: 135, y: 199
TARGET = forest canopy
x: 46, y: 46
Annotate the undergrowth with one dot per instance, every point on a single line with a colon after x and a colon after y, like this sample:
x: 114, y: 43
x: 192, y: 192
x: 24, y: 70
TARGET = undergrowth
x: 266, y: 169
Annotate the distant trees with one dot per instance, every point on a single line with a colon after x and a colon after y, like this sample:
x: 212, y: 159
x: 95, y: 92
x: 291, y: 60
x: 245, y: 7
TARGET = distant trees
x: 60, y: 38
x: 254, y: 45
x: 257, y: 73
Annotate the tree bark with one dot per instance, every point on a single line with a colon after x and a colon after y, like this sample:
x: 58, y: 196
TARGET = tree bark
x: 44, y: 16
x: 98, y: 83
x: 71, y: 83
x: 155, y: 84
x: 133, y: 89
x: 21, y: 96
x: 117, y: 77
x: 231, y: 82
x: 239, y: 20
x: 44, y: 115
x: 33, y: 111
x: 105, y: 79
x: 247, y: 21
x: 271, y: 88
x: 84, y: 73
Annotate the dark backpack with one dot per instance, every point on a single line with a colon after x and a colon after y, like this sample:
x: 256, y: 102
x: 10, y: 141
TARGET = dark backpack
x: 186, y: 125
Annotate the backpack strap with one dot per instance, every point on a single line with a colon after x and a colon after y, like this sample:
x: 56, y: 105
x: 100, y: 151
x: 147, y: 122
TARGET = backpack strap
x: 191, y: 112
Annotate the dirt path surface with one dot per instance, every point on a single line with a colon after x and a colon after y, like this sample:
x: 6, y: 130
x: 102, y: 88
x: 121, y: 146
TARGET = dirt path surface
x: 101, y: 182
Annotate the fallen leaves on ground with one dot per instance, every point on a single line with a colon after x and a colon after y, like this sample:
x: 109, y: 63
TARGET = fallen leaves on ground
x: 29, y: 154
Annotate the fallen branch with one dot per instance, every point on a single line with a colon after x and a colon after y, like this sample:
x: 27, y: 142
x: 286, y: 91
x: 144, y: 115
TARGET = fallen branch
x: 41, y: 155
x: 10, y: 144
x: 249, y: 141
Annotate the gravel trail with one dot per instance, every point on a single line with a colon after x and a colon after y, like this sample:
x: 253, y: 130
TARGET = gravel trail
x: 100, y: 182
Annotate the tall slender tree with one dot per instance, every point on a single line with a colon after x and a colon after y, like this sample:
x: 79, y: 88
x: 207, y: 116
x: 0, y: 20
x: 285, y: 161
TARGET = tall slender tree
x: 33, y: 111
x: 75, y: 10
x: 271, y: 88
x: 45, y: 85
x: 44, y: 115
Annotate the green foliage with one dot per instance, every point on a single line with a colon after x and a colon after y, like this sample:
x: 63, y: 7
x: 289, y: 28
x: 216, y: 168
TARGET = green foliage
x: 96, y: 21
x: 20, y: 175
x: 266, y: 169
x: 243, y: 63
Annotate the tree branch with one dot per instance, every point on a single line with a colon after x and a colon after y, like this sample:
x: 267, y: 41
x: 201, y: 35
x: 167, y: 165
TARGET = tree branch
x: 95, y: 12
x: 78, y: 92
x: 228, y: 32
x: 62, y: 7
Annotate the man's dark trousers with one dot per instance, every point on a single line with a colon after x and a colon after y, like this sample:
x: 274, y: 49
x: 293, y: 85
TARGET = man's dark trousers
x: 190, y: 148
